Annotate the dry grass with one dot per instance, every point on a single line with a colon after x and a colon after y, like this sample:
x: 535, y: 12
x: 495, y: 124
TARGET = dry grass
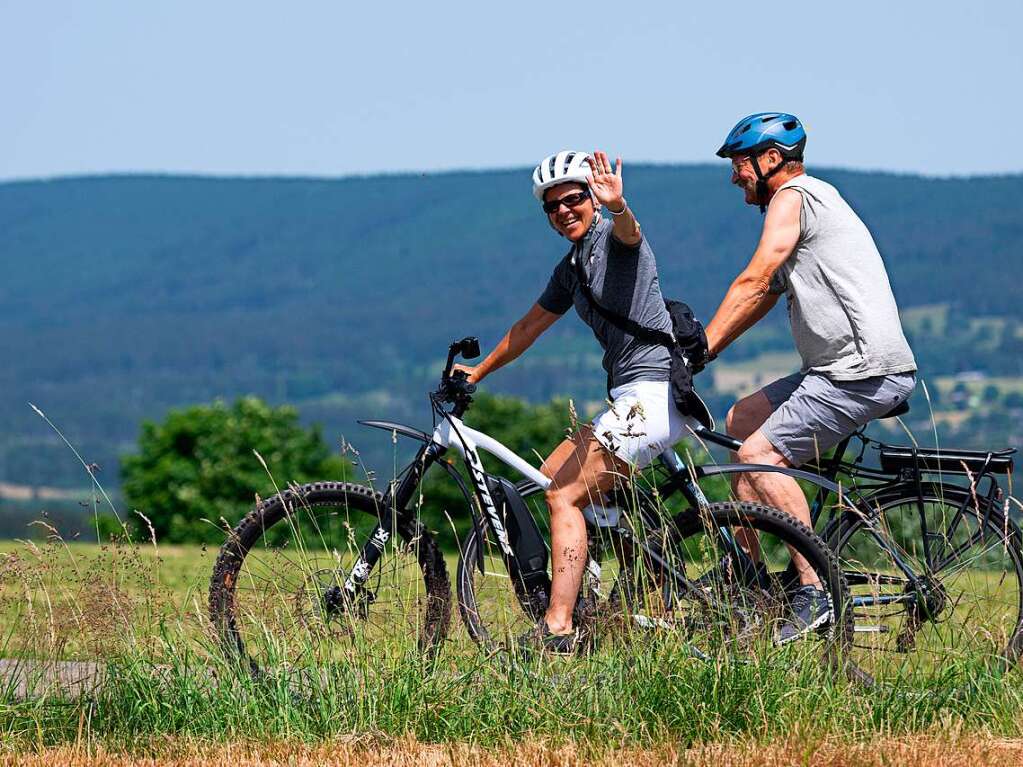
x: 87, y: 601
x: 933, y: 751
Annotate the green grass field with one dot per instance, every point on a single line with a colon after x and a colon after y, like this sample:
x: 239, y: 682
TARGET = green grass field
x: 142, y: 611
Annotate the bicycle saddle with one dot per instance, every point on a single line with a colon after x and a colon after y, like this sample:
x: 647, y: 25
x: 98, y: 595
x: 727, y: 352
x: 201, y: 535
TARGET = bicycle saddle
x: 901, y: 409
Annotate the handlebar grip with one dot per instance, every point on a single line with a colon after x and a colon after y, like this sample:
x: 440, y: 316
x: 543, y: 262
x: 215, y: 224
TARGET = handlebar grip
x: 461, y: 378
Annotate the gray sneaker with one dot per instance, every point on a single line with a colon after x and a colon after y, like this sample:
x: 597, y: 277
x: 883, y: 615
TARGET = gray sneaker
x: 811, y: 609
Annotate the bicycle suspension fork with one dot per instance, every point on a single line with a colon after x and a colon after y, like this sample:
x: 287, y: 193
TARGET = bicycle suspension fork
x: 397, y: 497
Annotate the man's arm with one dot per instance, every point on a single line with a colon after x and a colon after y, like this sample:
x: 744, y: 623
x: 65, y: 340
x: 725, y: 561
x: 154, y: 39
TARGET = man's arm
x: 749, y: 299
x: 519, y: 337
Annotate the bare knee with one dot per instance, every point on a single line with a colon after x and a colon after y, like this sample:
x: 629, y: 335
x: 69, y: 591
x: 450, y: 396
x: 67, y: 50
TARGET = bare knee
x: 732, y: 420
x: 758, y: 449
x: 747, y: 415
x: 749, y: 454
x: 558, y: 500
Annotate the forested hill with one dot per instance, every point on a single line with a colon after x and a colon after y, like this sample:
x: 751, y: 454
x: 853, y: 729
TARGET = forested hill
x: 123, y: 296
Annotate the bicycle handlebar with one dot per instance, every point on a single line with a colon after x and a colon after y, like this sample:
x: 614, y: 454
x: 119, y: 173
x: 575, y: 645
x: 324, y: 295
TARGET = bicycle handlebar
x: 702, y: 432
x: 454, y: 385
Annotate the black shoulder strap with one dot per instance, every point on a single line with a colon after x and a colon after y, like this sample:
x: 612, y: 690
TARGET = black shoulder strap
x: 633, y: 328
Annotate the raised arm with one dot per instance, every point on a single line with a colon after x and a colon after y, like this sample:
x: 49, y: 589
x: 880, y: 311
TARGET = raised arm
x: 749, y: 298
x: 606, y: 185
x: 519, y: 337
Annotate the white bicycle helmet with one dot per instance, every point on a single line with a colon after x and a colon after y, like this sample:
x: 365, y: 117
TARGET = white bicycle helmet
x: 561, y: 168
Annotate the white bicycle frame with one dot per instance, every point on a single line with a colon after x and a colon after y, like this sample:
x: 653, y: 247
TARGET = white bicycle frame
x: 451, y: 432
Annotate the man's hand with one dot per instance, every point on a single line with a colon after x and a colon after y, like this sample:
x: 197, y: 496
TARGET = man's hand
x: 606, y: 184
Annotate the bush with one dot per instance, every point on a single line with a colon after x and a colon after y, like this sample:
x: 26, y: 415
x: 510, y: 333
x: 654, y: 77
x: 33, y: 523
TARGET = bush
x: 198, y: 468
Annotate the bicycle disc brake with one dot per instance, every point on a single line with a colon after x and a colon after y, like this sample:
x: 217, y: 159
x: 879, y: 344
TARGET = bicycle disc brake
x: 338, y: 602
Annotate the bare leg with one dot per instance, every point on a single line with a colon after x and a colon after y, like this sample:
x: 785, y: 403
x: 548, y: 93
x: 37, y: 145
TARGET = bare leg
x: 744, y: 418
x: 777, y: 490
x: 585, y: 471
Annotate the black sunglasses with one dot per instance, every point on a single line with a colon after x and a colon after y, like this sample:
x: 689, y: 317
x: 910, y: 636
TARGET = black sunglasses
x: 573, y: 200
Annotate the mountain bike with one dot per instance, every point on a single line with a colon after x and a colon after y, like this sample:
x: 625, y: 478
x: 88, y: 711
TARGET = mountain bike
x: 926, y: 543
x: 331, y: 563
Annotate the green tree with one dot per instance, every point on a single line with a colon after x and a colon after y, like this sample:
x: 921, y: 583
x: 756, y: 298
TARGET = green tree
x: 1013, y: 400
x: 198, y: 469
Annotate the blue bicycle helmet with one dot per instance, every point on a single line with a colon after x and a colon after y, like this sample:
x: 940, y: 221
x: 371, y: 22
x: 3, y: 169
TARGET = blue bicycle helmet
x: 766, y: 130
x: 754, y: 135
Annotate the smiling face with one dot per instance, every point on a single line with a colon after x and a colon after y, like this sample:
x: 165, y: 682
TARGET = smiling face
x: 574, y: 214
x: 745, y: 177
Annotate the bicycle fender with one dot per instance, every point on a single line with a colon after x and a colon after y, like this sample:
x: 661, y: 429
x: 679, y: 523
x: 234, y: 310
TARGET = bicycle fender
x: 708, y: 470
x: 399, y: 428
x: 808, y: 476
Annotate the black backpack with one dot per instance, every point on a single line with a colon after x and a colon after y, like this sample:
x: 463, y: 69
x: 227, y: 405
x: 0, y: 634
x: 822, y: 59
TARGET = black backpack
x: 686, y: 344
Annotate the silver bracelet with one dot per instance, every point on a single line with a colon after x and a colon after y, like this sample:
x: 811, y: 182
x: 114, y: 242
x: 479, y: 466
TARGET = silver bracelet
x: 625, y: 207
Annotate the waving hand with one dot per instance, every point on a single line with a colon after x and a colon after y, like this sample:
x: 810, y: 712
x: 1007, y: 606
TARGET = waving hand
x: 606, y: 183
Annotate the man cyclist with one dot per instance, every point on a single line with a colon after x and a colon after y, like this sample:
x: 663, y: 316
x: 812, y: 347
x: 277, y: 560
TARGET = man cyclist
x: 617, y: 264
x: 856, y: 363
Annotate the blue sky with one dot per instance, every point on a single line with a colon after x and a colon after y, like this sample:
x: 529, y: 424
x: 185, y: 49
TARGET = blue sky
x: 333, y: 88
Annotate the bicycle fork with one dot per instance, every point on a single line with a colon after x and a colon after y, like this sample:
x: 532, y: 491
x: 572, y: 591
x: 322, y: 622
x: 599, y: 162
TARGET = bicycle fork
x: 396, y: 497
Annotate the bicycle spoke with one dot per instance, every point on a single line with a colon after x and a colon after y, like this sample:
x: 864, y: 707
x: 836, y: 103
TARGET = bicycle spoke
x: 969, y: 594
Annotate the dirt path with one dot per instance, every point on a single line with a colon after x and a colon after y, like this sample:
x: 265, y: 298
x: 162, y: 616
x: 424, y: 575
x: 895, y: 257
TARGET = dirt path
x: 37, y: 677
x: 917, y: 750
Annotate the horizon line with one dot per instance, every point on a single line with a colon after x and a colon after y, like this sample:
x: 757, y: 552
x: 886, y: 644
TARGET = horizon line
x: 263, y: 176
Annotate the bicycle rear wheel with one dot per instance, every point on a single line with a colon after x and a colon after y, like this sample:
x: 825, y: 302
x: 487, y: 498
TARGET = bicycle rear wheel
x: 969, y: 603
x: 495, y: 609
x: 277, y: 596
x: 737, y: 608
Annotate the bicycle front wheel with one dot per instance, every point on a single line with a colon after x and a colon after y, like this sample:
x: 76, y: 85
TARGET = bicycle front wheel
x: 277, y: 595
x: 966, y: 558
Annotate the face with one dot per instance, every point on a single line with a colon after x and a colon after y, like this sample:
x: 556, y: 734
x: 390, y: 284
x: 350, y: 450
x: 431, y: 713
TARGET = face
x: 745, y: 177
x: 571, y: 221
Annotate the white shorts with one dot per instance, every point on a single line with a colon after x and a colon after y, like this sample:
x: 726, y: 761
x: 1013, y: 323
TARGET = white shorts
x: 642, y: 422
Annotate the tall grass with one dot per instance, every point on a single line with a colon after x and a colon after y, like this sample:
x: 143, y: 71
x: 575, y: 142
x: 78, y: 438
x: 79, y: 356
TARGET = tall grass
x: 163, y: 675
x: 650, y: 694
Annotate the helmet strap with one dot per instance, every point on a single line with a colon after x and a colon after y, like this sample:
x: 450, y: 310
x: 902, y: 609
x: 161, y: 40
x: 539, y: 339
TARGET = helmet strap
x: 762, y: 189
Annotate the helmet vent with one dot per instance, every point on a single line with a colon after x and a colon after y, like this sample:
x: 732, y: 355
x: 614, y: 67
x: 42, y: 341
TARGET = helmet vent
x: 745, y: 128
x: 790, y: 125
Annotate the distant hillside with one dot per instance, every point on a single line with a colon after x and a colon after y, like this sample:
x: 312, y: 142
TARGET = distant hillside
x: 123, y: 296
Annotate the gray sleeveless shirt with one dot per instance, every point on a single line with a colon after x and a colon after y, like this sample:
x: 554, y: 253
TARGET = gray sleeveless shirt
x: 844, y: 319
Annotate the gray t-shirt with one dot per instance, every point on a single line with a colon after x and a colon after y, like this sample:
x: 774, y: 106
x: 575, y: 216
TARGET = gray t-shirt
x: 622, y: 279
x: 844, y: 318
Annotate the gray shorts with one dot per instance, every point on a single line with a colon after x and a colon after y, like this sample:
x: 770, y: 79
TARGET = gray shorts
x: 812, y: 413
